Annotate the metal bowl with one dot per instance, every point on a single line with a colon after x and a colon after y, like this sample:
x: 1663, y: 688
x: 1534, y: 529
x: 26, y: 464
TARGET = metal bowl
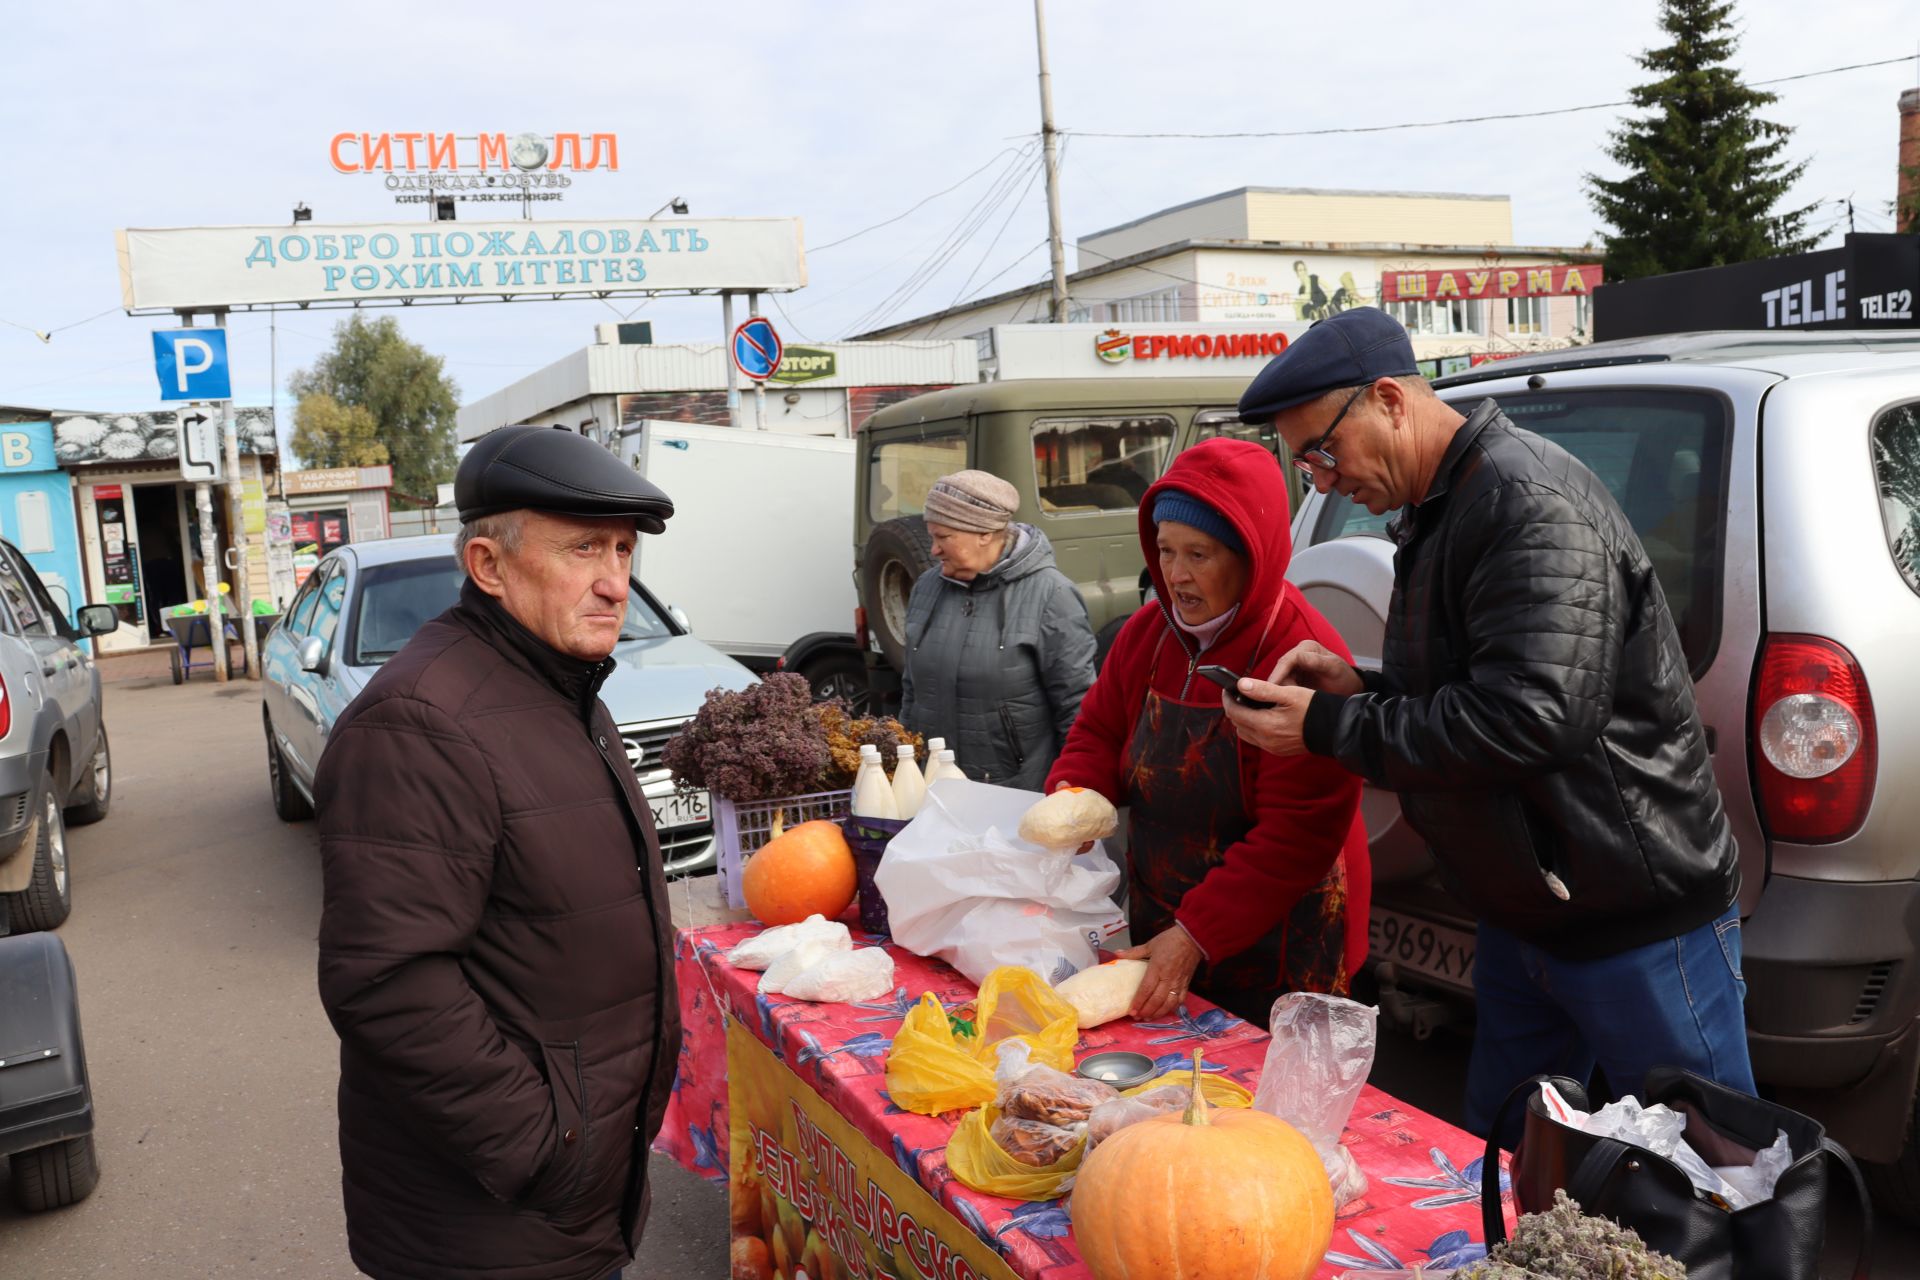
x: 1116, y: 1067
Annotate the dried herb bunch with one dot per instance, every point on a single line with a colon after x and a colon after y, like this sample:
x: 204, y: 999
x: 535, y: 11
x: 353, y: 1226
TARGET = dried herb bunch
x: 846, y: 733
x: 758, y: 743
x: 1564, y: 1244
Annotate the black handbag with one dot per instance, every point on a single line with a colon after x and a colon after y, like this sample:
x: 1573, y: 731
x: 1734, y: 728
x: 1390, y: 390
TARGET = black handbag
x: 1776, y: 1239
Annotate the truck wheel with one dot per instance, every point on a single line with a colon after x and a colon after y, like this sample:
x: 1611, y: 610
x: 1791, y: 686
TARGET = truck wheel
x: 839, y: 675
x: 59, y: 1174
x: 897, y: 553
x: 47, y: 900
x: 288, y: 804
x: 1896, y: 1186
x: 94, y: 793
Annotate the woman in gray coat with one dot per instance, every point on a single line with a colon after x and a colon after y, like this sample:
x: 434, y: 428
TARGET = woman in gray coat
x: 999, y: 649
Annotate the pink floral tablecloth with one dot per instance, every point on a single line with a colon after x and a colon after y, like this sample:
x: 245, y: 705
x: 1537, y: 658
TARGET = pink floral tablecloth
x: 1421, y: 1205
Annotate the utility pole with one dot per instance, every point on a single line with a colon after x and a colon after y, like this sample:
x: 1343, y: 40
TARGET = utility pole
x: 237, y: 533
x: 1050, y: 145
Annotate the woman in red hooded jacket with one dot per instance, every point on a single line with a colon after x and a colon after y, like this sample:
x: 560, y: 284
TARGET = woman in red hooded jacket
x: 1249, y: 872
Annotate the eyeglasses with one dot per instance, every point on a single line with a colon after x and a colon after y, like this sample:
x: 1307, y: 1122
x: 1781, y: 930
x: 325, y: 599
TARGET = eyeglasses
x: 1315, y: 454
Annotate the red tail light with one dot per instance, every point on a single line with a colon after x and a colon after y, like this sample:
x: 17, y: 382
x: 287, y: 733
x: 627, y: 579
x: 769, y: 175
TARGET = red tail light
x: 1815, y: 749
x: 860, y: 627
x: 6, y: 709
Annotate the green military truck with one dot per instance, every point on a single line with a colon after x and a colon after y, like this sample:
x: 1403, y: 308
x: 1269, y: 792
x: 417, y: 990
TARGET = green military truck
x: 1081, y: 451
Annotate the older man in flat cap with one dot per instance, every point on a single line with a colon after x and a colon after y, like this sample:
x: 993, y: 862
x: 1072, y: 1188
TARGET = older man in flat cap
x: 1534, y: 713
x: 495, y: 951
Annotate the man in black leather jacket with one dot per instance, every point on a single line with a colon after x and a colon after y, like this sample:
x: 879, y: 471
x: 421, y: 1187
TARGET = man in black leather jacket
x: 1535, y: 714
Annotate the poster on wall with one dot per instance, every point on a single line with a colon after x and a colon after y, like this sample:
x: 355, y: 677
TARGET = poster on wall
x: 145, y: 437
x: 1269, y: 288
x: 120, y: 569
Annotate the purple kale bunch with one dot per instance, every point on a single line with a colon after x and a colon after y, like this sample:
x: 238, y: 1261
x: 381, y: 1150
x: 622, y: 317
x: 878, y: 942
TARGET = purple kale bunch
x: 758, y: 743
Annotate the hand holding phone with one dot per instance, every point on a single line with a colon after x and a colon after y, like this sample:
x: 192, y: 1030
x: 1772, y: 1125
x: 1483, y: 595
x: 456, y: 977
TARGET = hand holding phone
x: 1230, y: 681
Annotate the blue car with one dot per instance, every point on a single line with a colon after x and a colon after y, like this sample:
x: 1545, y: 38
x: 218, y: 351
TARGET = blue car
x: 364, y: 601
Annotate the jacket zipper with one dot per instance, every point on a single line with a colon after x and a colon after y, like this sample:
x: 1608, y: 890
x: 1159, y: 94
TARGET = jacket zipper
x: 1193, y: 658
x: 1013, y: 739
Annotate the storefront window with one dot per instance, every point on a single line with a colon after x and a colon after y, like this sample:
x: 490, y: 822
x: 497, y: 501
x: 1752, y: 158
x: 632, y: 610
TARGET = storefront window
x: 1098, y: 464
x: 1440, y: 319
x: 1527, y: 318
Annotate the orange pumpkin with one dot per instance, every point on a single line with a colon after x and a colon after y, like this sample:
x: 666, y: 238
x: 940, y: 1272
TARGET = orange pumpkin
x: 1208, y: 1195
x: 806, y: 871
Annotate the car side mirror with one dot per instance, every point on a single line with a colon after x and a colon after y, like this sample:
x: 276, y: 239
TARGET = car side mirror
x: 313, y: 655
x: 99, y: 619
x: 679, y: 617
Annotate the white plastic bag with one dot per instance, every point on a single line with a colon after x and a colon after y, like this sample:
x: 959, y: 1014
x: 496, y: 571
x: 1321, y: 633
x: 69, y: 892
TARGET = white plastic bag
x: 1320, y: 1056
x: 793, y: 962
x: 1659, y: 1129
x: 844, y: 976
x: 760, y: 951
x: 960, y: 888
x: 1755, y: 1181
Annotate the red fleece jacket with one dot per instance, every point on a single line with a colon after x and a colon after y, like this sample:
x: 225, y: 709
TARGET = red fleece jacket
x: 1306, y: 808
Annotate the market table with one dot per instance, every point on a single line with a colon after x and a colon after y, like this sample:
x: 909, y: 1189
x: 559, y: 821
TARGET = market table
x: 811, y: 1080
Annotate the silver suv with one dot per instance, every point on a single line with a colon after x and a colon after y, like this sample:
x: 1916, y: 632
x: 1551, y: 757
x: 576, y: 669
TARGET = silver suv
x: 55, y: 767
x: 1775, y: 481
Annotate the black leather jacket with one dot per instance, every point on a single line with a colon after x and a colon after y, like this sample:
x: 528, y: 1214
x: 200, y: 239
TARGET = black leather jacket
x: 1534, y: 710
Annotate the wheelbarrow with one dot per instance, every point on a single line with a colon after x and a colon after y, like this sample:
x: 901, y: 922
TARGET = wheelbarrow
x: 190, y: 632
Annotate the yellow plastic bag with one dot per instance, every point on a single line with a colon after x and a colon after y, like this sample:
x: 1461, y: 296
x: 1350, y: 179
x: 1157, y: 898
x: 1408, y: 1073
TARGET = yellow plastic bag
x: 1220, y: 1091
x: 930, y: 1069
x: 979, y: 1162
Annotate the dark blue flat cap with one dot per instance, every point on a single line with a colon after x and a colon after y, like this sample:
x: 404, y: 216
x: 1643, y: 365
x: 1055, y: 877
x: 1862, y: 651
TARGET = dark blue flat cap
x: 1347, y: 350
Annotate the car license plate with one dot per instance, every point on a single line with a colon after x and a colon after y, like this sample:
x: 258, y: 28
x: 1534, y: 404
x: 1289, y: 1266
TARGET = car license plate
x: 681, y: 810
x: 1439, y: 952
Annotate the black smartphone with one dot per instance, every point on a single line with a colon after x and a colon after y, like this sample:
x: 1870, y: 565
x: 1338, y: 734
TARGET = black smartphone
x: 1230, y: 681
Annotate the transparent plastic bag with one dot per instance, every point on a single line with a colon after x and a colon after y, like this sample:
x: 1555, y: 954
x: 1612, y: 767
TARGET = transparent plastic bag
x: 1320, y: 1057
x: 1039, y: 1093
x: 930, y: 1069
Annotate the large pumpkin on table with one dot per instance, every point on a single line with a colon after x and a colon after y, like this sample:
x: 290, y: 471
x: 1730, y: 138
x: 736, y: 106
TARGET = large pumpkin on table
x: 1209, y: 1195
x: 807, y: 870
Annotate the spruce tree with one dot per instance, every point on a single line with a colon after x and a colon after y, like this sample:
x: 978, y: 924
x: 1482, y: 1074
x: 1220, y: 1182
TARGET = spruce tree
x: 1704, y: 172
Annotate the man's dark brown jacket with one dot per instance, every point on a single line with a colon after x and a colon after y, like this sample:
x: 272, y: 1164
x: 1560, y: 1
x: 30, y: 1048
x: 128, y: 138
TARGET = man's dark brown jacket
x: 496, y: 956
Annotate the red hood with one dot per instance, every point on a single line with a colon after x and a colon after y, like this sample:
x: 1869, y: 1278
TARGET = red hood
x: 1244, y: 483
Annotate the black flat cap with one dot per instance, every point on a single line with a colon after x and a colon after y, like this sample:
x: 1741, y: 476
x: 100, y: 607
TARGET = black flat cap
x: 545, y: 469
x: 1346, y: 350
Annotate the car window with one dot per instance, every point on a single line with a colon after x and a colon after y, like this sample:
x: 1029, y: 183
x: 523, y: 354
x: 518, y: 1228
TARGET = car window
x: 1661, y: 454
x: 34, y: 620
x: 326, y: 613
x: 1896, y: 470
x: 395, y: 601
x: 300, y: 614
x: 1214, y: 424
x: 49, y: 607
x: 1085, y: 465
x: 900, y: 472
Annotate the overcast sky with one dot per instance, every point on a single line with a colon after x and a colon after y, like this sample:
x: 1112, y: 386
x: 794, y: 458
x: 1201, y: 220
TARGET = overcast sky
x: 843, y: 114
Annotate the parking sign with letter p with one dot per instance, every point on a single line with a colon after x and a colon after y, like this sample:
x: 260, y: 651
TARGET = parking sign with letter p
x: 192, y: 364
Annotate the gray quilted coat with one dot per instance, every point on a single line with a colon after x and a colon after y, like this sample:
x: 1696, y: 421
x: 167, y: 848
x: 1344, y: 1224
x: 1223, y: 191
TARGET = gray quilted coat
x: 998, y: 666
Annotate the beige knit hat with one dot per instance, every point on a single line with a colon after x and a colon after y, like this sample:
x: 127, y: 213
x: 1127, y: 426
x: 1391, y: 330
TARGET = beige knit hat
x: 974, y: 501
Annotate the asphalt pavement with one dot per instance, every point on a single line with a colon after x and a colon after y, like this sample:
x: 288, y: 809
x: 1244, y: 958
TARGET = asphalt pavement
x: 213, y: 1067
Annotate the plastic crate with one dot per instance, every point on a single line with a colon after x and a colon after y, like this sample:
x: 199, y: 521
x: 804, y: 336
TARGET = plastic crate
x: 741, y: 827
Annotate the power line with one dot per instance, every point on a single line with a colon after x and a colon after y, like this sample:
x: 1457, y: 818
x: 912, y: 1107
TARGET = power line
x: 1439, y: 124
x: 832, y: 244
x: 1013, y: 209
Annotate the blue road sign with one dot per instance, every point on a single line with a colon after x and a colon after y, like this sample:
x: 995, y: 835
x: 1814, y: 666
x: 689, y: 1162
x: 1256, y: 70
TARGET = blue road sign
x: 757, y: 349
x: 192, y: 364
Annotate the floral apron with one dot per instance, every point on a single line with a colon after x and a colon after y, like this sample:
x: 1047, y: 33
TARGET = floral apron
x: 1183, y: 787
